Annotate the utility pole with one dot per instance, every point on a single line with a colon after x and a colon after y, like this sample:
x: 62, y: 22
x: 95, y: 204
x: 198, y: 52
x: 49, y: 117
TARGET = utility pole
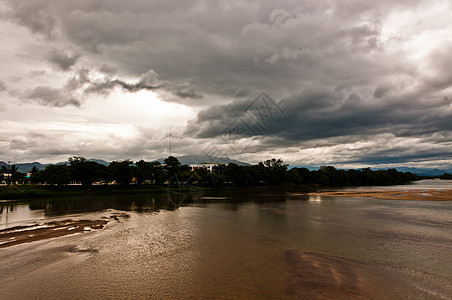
x: 8, y: 174
x: 170, y: 138
x: 246, y: 150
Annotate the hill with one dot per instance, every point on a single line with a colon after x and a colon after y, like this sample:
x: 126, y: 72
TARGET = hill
x: 199, y: 159
x: 25, y: 167
x: 185, y: 160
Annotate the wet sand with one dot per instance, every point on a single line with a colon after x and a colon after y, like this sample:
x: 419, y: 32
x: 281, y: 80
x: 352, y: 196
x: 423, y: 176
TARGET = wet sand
x: 317, y: 276
x: 417, y: 195
x: 36, y: 232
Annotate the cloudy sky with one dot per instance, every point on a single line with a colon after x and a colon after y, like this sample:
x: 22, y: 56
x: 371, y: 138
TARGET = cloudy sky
x: 350, y: 83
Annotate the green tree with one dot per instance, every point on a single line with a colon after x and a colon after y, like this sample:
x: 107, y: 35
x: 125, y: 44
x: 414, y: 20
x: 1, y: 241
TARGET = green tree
x: 57, y: 174
x: 76, y: 159
x: 34, y: 170
x: 172, y: 168
x: 293, y: 176
x: 277, y: 171
x: 236, y: 174
x: 157, y: 172
x: 11, y: 174
x: 37, y: 177
x: 189, y: 177
x: 121, y: 171
x: 86, y: 172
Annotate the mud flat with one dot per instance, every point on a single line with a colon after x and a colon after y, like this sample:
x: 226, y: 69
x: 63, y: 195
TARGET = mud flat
x: 417, y: 195
x: 41, y: 231
x: 320, y: 276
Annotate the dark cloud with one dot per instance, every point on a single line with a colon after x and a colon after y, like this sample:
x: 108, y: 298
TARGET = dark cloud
x: 148, y: 81
x: 323, y: 113
x: 382, y: 90
x: 337, y: 75
x: 62, y: 60
x: 34, y: 15
x: 48, y: 96
x: 106, y: 86
x: 224, y: 48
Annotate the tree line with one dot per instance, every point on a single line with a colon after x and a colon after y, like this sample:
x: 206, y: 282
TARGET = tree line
x: 269, y: 172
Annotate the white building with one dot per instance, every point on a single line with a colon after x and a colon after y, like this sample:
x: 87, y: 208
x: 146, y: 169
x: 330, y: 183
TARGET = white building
x: 208, y: 166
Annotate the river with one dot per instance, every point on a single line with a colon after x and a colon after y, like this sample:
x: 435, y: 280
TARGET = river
x: 260, y: 243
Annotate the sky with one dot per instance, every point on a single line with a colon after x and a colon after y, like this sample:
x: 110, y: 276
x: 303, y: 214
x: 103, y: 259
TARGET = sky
x: 346, y: 83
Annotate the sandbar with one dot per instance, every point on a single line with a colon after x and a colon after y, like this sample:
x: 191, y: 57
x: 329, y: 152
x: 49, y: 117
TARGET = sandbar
x: 417, y: 195
x: 40, y: 231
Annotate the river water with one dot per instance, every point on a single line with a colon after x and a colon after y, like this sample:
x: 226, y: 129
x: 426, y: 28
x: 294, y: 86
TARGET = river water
x: 238, y: 244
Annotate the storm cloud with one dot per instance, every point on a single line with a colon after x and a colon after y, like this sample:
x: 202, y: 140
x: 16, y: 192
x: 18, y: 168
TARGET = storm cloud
x: 62, y: 60
x: 351, y: 81
x: 51, y: 97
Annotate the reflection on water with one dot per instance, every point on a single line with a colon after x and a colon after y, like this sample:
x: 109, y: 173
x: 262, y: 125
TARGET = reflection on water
x: 13, y: 213
x: 233, y: 244
x: 16, y: 213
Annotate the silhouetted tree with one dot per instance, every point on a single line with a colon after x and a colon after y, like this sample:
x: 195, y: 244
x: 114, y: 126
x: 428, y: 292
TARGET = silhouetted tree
x: 86, y: 172
x: 57, y: 174
x: 121, y: 171
x: 158, y: 173
x: 172, y: 168
x: 446, y: 176
x: 38, y: 177
x: 142, y: 171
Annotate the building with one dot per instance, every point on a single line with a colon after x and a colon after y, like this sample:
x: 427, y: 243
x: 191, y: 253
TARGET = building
x: 208, y: 166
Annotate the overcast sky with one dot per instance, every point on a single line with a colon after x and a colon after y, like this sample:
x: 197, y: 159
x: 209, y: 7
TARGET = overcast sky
x: 349, y: 83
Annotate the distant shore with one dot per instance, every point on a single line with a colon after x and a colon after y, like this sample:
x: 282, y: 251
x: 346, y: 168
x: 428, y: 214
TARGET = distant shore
x: 27, y: 192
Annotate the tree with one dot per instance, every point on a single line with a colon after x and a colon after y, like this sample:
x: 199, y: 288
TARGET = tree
x: 76, y: 159
x: 37, y: 177
x: 236, y: 174
x: 86, y: 172
x: 189, y: 177
x: 142, y: 171
x: 121, y: 171
x: 274, y: 163
x: 172, y: 168
x: 34, y: 170
x: 446, y: 176
x: 57, y: 174
x: 157, y: 173
x: 293, y: 176
x: 277, y: 170
x: 11, y: 174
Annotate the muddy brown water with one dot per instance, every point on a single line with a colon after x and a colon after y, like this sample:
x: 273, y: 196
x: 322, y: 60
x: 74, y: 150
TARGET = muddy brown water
x: 249, y: 244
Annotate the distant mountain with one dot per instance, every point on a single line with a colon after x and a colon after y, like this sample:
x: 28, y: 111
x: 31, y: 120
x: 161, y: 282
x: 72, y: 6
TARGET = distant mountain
x: 425, y: 172
x: 418, y: 171
x: 199, y: 159
x: 25, y: 167
x: 100, y: 161
x: 185, y: 160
